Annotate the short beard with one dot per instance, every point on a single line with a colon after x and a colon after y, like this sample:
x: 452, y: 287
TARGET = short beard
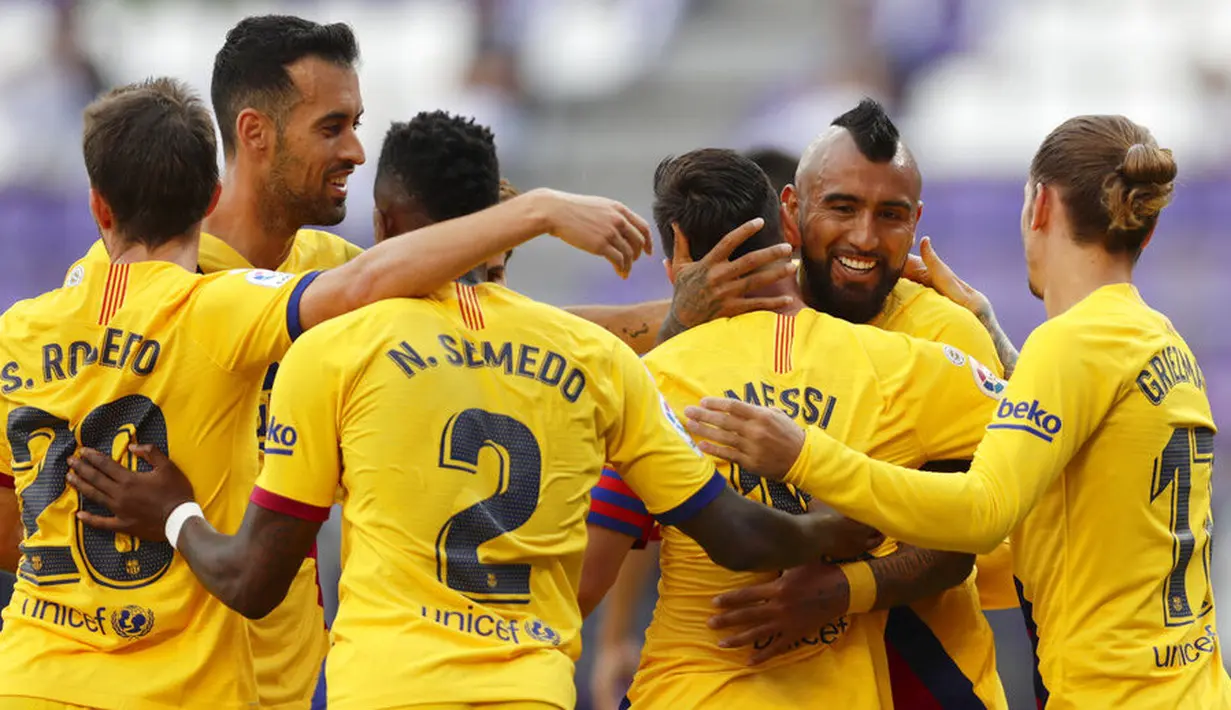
x: 296, y: 208
x: 824, y: 296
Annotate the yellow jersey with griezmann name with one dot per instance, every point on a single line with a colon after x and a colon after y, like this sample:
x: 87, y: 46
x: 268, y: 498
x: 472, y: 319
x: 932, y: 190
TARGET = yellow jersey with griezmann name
x: 898, y: 398
x: 1103, y: 445
x: 467, y: 431
x: 132, y: 352
x: 289, y: 644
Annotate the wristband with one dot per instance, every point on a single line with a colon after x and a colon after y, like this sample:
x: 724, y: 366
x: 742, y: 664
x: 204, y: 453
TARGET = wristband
x: 862, y: 584
x: 179, y: 516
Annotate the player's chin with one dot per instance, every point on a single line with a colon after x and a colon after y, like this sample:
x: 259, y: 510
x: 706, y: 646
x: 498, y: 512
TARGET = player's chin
x: 331, y: 214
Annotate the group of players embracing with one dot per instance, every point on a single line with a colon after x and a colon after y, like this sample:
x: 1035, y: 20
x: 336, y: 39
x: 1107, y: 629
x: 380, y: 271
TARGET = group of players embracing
x: 818, y: 448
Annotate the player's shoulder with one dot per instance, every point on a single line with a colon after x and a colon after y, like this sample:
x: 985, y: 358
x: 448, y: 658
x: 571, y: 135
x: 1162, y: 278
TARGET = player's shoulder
x: 318, y: 249
x: 96, y: 254
x: 720, y: 337
x: 1113, y: 323
x: 551, y: 320
x: 925, y: 313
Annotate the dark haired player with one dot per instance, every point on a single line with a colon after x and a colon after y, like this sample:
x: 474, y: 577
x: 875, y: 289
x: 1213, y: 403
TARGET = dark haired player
x: 143, y: 348
x: 855, y: 204
x: 876, y: 401
x: 464, y: 524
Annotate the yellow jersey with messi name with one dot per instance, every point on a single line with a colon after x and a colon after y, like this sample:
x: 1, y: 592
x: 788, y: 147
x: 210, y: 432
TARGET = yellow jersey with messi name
x: 132, y: 352
x: 467, y: 431
x: 1102, y: 449
x: 898, y: 398
x: 289, y: 644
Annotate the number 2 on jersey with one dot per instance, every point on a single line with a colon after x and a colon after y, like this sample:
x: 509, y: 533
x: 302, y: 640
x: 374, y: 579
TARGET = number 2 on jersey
x: 43, y: 443
x: 515, y: 499
x: 1174, y: 468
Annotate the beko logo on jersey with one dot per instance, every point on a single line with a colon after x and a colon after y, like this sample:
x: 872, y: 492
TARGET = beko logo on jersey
x: 280, y: 439
x: 1029, y: 417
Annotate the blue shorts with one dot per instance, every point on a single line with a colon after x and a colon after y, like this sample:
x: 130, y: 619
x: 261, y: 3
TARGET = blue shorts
x: 320, y: 698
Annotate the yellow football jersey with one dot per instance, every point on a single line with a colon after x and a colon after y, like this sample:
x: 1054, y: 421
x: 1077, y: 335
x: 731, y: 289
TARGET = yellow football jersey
x: 898, y: 398
x: 289, y: 644
x: 923, y: 313
x: 466, y: 431
x: 1103, y: 447
x: 132, y: 351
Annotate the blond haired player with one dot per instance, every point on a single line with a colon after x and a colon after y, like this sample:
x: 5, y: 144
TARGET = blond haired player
x: 144, y: 348
x: 1099, y: 458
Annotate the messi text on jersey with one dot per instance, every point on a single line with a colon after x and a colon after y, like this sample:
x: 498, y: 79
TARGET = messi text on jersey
x: 809, y: 405
x: 517, y: 359
x: 118, y: 349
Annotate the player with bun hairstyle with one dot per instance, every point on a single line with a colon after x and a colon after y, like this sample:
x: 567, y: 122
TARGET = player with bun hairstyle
x: 1098, y: 459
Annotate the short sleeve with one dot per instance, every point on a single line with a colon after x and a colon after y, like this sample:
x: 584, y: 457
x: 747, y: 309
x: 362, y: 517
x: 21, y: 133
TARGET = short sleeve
x: 950, y: 396
x: 246, y: 319
x: 302, y: 455
x: 651, y: 450
x: 614, y: 506
x: 962, y: 330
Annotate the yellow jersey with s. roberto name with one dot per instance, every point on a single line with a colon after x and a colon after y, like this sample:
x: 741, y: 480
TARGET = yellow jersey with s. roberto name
x: 132, y: 352
x: 898, y: 398
x: 467, y: 431
x: 289, y: 644
x: 1103, y: 449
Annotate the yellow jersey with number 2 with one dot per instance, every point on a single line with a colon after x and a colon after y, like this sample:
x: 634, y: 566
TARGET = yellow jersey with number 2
x: 132, y: 352
x: 467, y: 431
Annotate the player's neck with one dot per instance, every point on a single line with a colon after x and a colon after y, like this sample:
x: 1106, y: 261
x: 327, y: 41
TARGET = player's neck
x: 785, y: 287
x: 181, y: 251
x: 244, y: 220
x: 1086, y: 270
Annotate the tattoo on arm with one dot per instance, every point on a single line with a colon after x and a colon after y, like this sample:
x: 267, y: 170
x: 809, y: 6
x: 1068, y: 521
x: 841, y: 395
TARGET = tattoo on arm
x: 1004, y: 347
x: 913, y: 573
x: 692, y: 305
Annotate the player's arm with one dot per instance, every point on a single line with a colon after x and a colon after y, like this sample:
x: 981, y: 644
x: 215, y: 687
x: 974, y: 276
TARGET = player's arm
x: 681, y: 488
x: 1057, y: 398
x: 930, y: 271
x: 251, y: 570
x: 418, y: 263
x: 617, y: 523
x: 715, y: 287
x: 636, y: 324
x: 10, y: 526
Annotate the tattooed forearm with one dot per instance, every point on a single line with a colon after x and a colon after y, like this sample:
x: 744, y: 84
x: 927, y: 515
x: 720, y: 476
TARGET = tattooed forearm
x: 912, y: 574
x: 671, y: 327
x: 1004, y: 347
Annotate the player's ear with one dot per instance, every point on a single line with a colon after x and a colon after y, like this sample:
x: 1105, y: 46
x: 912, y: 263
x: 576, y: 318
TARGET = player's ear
x: 790, y: 201
x: 101, y: 211
x: 378, y: 225
x: 213, y: 201
x: 254, y: 130
x: 1043, y: 203
x: 790, y: 228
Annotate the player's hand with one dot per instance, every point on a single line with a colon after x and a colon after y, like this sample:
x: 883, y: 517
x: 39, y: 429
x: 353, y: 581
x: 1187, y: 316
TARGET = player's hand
x: 928, y: 270
x: 760, y: 439
x: 797, y: 605
x: 716, y: 288
x: 846, y: 539
x: 139, y: 501
x: 597, y: 225
x: 612, y: 673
